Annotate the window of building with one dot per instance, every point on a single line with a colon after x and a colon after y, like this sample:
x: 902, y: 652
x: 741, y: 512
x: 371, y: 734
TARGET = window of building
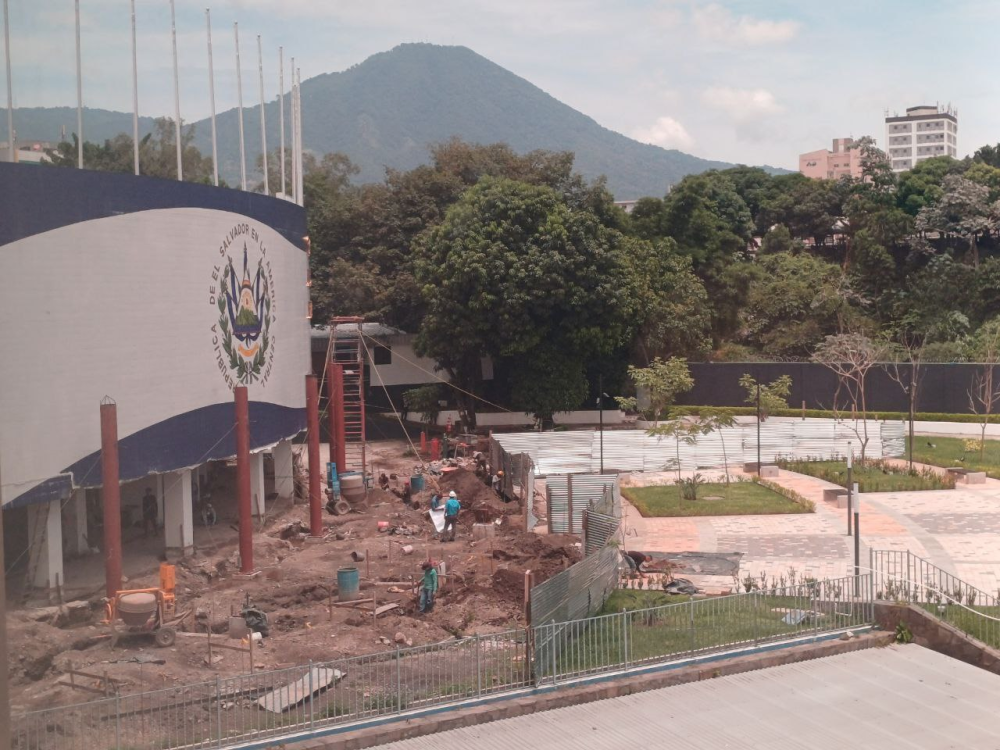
x: 382, y: 355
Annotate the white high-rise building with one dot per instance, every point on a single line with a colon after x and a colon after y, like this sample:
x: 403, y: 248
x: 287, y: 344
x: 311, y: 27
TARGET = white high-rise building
x: 924, y: 132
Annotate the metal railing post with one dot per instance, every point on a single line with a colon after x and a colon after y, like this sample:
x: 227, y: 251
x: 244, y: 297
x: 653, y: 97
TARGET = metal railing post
x: 552, y: 651
x: 626, y: 627
x: 479, y: 669
x: 311, y: 696
x: 756, y: 606
x: 399, y: 683
x: 218, y: 708
x: 691, y: 619
x: 118, y: 720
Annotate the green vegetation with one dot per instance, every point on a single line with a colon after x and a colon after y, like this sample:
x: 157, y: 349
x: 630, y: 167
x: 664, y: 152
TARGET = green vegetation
x: 947, y: 452
x: 741, y: 499
x: 874, y: 475
x: 889, y: 416
x: 656, y: 631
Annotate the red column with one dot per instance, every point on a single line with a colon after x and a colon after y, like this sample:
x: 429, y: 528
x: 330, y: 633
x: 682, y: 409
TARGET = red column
x: 435, y: 449
x: 111, y: 495
x: 312, y: 436
x: 331, y: 415
x: 243, y: 478
x: 337, y: 376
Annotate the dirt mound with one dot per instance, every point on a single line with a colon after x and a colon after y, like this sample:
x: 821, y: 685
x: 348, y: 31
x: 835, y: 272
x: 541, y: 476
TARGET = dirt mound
x: 470, y: 489
x: 508, y: 585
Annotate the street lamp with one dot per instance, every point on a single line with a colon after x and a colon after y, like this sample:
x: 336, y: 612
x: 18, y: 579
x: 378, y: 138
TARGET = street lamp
x: 850, y: 465
x: 857, y: 535
x: 601, y: 395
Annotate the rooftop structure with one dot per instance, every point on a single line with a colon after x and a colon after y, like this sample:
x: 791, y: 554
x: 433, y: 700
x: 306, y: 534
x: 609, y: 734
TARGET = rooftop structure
x: 925, y: 131
x: 842, y: 161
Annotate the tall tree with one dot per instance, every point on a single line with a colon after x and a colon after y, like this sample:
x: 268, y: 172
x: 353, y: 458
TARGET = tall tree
x: 513, y: 272
x: 963, y: 211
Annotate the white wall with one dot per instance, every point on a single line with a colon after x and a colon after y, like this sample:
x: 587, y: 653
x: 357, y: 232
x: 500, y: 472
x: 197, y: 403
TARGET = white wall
x: 124, y: 306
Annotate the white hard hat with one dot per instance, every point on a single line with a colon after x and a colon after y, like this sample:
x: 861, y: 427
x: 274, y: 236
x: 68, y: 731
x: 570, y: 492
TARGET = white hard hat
x: 451, y: 494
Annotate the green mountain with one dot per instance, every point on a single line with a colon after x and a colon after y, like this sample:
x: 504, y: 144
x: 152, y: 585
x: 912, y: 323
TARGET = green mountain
x: 386, y: 112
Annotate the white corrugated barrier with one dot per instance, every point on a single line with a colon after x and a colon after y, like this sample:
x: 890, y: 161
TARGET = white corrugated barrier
x: 635, y: 450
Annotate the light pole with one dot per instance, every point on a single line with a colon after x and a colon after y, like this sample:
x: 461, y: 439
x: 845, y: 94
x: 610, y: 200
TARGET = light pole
x: 758, y: 427
x: 601, y: 395
x: 857, y: 536
x: 850, y: 466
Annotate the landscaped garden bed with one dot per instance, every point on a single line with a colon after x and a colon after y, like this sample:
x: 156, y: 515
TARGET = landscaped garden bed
x: 739, y: 498
x: 958, y: 452
x: 872, y: 475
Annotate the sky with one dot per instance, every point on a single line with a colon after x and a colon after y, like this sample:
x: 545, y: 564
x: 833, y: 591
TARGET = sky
x: 750, y: 81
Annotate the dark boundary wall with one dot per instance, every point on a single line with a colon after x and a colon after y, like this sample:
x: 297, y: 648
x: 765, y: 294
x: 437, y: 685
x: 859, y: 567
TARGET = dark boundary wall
x: 943, y: 387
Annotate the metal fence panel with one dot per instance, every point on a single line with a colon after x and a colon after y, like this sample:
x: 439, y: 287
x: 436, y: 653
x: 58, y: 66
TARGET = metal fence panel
x: 635, y: 450
x: 586, y: 488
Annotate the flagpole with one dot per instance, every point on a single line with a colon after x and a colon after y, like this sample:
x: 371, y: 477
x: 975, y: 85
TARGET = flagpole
x: 10, y: 85
x: 263, y: 124
x: 291, y: 112
x: 281, y: 113
x: 211, y: 96
x: 177, y: 95
x: 135, y: 98
x: 79, y: 93
x: 239, y: 106
x: 298, y: 100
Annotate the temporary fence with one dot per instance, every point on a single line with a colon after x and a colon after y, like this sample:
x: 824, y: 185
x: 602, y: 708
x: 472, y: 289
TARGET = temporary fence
x: 571, y: 495
x: 903, y: 576
x: 635, y: 450
x: 518, y: 480
x: 279, y: 704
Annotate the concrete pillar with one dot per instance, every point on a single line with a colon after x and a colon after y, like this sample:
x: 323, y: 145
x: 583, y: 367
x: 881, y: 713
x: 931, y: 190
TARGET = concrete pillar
x: 284, y: 479
x: 46, y: 556
x: 243, y: 491
x: 257, y: 483
x: 178, y: 514
x: 111, y: 498
x: 78, y: 507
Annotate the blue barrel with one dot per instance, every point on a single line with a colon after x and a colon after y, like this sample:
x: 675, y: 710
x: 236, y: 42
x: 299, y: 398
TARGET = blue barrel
x: 348, y: 584
x: 417, y: 482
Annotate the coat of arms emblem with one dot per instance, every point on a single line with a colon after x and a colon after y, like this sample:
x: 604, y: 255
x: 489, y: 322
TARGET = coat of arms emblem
x: 245, y: 318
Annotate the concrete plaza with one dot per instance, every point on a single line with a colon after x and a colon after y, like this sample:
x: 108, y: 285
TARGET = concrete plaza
x: 957, y: 530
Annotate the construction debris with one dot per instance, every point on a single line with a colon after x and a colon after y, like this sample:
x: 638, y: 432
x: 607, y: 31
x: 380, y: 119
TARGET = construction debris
x: 288, y: 696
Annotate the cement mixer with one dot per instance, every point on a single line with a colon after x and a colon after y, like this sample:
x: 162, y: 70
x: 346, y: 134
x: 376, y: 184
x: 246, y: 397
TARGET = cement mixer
x: 140, y: 612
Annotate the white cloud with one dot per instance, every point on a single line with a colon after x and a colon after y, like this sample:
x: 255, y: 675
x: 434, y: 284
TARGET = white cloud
x: 742, y: 104
x: 719, y: 24
x: 665, y: 132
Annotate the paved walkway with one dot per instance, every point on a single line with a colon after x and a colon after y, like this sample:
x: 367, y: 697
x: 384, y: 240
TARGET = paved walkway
x: 958, y: 530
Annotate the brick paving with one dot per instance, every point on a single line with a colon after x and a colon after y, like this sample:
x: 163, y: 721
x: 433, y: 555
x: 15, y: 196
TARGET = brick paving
x: 958, y: 530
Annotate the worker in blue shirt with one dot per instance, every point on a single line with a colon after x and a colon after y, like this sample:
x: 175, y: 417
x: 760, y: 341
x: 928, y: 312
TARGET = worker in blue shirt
x: 451, y: 509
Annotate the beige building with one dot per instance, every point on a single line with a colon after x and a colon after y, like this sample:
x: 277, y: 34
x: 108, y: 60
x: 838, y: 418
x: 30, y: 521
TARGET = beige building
x: 922, y: 133
x: 842, y: 161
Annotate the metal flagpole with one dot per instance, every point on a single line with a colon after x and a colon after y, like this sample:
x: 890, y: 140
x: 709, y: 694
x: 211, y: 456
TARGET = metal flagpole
x: 263, y: 123
x: 298, y: 123
x: 239, y: 106
x: 211, y: 96
x: 291, y: 107
x: 135, y: 98
x: 177, y: 95
x: 281, y: 113
x: 79, y: 93
x: 10, y: 85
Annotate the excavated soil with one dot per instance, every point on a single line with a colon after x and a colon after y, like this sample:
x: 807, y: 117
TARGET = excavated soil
x: 296, y: 584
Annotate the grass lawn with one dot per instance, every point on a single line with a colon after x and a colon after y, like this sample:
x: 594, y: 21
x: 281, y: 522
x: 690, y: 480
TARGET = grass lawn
x: 945, y: 451
x: 742, y: 499
x: 873, y: 476
x: 651, y: 631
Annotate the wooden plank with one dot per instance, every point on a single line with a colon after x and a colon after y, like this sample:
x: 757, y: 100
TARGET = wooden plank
x: 280, y: 700
x: 381, y: 610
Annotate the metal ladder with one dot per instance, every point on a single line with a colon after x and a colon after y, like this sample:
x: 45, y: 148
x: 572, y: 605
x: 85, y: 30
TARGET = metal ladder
x: 348, y: 351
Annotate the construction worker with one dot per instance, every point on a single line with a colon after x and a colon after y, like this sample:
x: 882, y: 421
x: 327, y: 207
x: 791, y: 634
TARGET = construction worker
x: 498, y: 482
x: 428, y: 586
x: 451, y: 509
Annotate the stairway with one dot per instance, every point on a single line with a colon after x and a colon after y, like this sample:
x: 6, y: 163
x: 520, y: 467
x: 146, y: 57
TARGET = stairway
x: 348, y: 351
